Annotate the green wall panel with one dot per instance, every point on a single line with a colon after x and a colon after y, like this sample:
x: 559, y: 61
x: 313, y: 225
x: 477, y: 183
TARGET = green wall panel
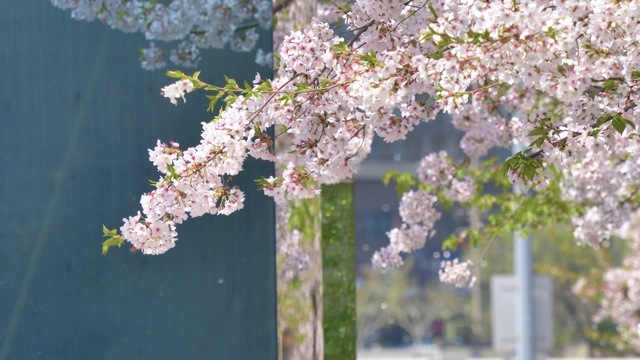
x: 77, y: 116
x: 339, y: 272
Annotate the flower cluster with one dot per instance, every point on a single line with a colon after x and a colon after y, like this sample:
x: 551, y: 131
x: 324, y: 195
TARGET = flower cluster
x: 461, y: 191
x: 196, y: 23
x: 456, y: 273
x: 436, y: 172
x: 417, y: 209
x: 196, y: 182
x: 483, y: 129
x: 435, y: 169
x: 152, y: 58
x: 177, y: 90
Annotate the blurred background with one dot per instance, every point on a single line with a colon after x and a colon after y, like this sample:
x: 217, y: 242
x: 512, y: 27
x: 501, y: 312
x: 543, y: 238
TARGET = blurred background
x: 408, y: 313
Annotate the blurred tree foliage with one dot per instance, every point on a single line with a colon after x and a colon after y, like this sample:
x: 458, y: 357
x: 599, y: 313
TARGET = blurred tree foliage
x: 557, y: 256
x: 397, y: 298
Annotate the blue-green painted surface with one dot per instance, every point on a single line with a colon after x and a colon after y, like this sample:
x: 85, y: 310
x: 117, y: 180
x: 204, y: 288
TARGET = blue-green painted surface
x: 77, y: 115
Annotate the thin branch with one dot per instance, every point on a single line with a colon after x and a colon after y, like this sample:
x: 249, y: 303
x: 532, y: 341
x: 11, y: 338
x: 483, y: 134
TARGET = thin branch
x: 359, y: 32
x: 281, y: 5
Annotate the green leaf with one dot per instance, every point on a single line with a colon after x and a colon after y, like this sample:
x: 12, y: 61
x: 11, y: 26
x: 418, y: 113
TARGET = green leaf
x: 107, y: 232
x: 177, y: 74
x: 537, y: 131
x: 341, y: 48
x: 610, y: 86
x: 265, y: 86
x: 213, y: 100
x: 262, y: 182
x: 528, y: 172
x: 121, y: 14
x: 404, y: 181
x: 286, y: 98
x: 444, y: 42
x: 551, y: 32
x: 102, y: 9
x: 113, y: 239
x: 370, y: 59
x: 619, y: 123
x: 229, y: 100
x: 594, y: 133
x: 436, y: 55
x: 300, y: 87
x: 509, y: 164
x: 389, y: 176
x: 450, y: 243
x: 603, y: 119
x: 171, y: 170
x: 231, y: 84
x: 630, y: 123
x: 426, y: 37
x: 276, y: 61
x: 473, y: 236
x: 537, y: 142
x: 432, y: 10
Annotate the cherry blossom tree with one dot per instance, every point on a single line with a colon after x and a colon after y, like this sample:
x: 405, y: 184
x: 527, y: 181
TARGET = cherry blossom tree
x: 194, y: 24
x: 557, y: 78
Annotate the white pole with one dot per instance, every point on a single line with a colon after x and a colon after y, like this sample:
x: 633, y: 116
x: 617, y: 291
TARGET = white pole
x: 525, y: 320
